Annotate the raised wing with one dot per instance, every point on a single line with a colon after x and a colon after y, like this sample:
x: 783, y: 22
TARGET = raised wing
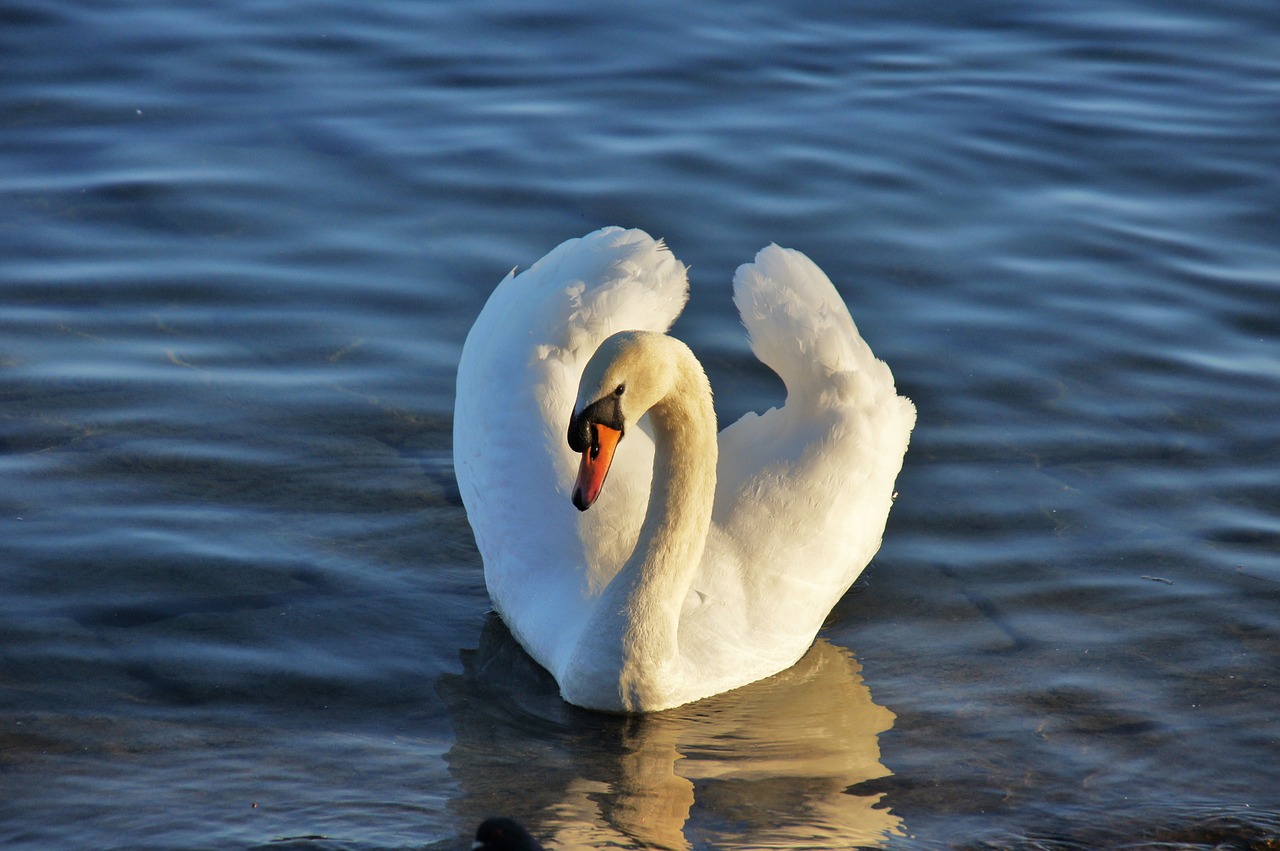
x: 517, y: 382
x: 803, y: 490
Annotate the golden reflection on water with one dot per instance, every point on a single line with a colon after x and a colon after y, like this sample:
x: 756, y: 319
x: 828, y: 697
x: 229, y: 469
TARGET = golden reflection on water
x: 765, y: 766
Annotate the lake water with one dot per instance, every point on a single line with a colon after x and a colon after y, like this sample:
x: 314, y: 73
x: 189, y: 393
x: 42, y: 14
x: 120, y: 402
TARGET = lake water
x: 241, y: 245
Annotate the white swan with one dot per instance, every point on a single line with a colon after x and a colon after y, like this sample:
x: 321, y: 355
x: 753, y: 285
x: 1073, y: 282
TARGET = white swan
x: 688, y: 577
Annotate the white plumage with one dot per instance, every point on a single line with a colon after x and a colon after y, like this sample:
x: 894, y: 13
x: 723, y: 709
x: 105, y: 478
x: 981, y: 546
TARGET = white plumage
x: 801, y: 492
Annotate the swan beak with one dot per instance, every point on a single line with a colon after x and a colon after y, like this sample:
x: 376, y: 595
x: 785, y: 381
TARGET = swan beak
x: 595, y: 465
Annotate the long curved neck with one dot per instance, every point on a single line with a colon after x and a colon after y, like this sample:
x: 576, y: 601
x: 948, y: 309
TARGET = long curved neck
x: 651, y: 587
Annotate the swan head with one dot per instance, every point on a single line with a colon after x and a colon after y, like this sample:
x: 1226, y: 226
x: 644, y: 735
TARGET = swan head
x: 628, y: 374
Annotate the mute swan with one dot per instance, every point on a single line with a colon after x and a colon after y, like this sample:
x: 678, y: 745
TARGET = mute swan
x: 689, y: 576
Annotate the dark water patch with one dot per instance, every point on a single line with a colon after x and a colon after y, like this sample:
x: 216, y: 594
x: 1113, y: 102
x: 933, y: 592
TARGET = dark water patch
x: 1198, y: 829
x: 127, y: 616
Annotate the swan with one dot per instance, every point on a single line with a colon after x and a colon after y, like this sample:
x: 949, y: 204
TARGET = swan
x: 706, y: 561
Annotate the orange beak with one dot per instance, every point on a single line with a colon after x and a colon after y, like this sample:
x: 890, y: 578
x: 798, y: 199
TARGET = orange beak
x: 595, y: 465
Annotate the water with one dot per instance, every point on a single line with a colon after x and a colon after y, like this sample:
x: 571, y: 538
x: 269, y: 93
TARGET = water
x: 241, y: 245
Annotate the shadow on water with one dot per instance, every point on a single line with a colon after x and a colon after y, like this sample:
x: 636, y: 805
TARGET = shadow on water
x: 768, y: 765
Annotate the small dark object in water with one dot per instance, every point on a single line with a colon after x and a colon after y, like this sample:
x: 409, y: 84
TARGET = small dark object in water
x: 503, y: 834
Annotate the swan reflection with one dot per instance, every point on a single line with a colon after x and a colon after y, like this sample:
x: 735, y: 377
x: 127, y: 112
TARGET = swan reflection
x: 767, y: 765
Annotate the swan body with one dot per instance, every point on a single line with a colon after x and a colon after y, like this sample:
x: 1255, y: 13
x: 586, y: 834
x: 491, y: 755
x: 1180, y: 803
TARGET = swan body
x: 706, y: 561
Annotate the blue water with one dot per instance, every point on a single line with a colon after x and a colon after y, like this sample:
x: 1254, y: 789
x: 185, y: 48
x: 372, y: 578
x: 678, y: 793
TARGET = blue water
x: 241, y: 245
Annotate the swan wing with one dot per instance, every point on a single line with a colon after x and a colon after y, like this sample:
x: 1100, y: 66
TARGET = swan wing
x: 517, y: 383
x: 803, y: 491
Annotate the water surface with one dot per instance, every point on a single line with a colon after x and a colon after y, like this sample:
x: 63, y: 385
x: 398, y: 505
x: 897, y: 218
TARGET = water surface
x: 241, y: 246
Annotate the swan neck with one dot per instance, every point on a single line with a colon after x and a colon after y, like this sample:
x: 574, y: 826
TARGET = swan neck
x: 674, y: 534
x: 684, y: 479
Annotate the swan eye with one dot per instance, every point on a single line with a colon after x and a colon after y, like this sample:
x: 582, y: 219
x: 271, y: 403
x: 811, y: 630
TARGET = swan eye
x: 620, y: 389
